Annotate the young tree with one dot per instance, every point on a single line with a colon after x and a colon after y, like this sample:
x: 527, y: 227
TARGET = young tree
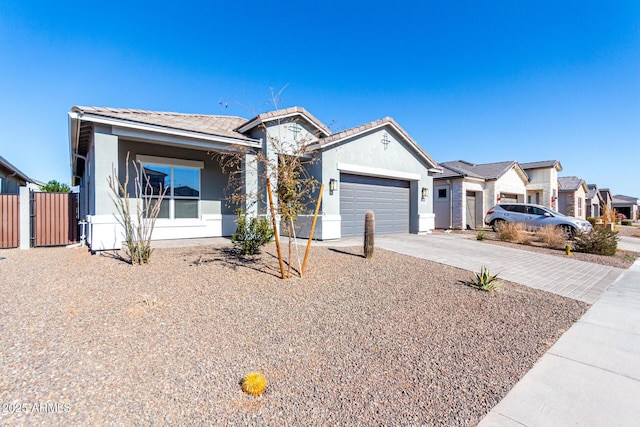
x: 54, y: 186
x: 282, y: 161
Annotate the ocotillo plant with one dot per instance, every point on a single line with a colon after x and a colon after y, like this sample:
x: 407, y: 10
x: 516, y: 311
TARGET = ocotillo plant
x: 369, y: 227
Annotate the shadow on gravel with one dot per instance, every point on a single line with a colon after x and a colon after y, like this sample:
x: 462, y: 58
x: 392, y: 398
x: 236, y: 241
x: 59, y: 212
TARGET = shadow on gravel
x: 234, y: 259
x: 346, y: 253
x: 117, y: 255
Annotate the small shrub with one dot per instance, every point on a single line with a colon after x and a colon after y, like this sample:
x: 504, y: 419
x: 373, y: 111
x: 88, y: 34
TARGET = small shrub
x: 627, y: 222
x: 513, y: 232
x: 251, y: 234
x: 484, y: 281
x: 480, y: 235
x: 593, y: 220
x: 600, y: 241
x: 552, y: 237
x: 254, y: 384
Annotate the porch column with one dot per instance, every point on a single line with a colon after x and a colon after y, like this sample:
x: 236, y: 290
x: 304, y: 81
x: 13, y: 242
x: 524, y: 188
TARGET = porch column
x: 106, y: 161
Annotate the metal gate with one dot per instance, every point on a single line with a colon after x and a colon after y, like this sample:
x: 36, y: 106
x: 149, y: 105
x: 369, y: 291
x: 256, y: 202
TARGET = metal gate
x: 54, y: 219
x: 9, y: 221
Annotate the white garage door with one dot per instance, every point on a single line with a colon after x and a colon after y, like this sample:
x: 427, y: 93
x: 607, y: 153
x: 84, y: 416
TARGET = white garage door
x: 387, y: 198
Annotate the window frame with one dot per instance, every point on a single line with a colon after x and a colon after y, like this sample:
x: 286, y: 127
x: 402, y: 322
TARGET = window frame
x: 169, y: 196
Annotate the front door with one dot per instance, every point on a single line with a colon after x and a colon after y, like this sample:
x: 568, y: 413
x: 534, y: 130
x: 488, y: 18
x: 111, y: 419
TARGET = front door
x: 471, y: 210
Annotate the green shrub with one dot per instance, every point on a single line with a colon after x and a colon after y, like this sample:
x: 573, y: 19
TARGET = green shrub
x: 552, y: 236
x: 480, y: 235
x: 251, y: 233
x: 485, y: 281
x: 600, y: 241
x: 627, y: 222
x: 593, y: 220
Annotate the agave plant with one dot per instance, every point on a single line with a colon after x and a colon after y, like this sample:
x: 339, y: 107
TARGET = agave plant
x: 485, y: 281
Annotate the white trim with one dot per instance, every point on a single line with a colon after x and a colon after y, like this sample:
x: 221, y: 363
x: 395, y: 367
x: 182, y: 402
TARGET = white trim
x: 168, y: 161
x: 384, y: 173
x: 258, y: 121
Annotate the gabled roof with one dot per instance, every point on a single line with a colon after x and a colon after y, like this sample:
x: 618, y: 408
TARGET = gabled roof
x: 545, y: 164
x: 200, y: 123
x: 384, y: 122
x: 487, y: 171
x: 592, y: 191
x: 570, y: 183
x: 234, y: 127
x: 282, y: 114
x: 14, y: 170
x: 620, y: 198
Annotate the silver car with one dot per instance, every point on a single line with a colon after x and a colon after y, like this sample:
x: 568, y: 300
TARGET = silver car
x: 534, y: 217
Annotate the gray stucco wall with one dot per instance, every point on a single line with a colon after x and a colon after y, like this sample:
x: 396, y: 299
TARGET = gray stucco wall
x: 393, y: 159
x: 213, y: 181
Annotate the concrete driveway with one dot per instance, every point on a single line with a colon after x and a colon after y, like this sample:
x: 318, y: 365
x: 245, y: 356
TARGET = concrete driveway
x: 629, y: 243
x: 568, y: 277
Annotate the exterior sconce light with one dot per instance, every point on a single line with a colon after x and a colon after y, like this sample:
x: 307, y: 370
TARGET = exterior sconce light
x: 425, y: 193
x: 333, y: 185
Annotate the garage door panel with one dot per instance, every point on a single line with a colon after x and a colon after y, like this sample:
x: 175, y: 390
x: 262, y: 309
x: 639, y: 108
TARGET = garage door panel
x: 387, y: 198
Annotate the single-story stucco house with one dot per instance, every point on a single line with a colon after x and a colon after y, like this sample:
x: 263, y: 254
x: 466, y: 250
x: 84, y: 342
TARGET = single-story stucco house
x: 464, y: 191
x: 594, y: 201
x: 376, y: 166
x: 572, y: 193
x: 11, y: 178
x: 629, y: 206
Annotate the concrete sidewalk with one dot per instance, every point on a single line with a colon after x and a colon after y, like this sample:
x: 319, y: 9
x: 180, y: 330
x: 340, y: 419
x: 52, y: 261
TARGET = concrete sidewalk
x: 591, y: 376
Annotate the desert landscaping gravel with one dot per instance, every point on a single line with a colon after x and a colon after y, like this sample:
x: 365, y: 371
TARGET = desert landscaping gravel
x: 90, y: 340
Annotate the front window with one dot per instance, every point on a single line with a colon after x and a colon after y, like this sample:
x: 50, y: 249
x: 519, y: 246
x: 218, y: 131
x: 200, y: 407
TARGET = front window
x: 579, y: 206
x: 442, y: 193
x: 182, y: 185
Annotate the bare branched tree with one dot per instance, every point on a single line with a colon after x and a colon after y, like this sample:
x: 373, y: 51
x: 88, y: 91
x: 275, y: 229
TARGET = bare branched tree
x: 138, y: 228
x: 285, y: 164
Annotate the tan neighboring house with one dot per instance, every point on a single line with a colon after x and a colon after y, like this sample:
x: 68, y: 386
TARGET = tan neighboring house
x: 542, y: 188
x: 594, y: 201
x: 629, y: 206
x: 464, y: 191
x: 572, y: 193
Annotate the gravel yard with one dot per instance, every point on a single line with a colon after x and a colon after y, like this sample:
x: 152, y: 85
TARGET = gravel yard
x: 389, y: 341
x: 622, y: 259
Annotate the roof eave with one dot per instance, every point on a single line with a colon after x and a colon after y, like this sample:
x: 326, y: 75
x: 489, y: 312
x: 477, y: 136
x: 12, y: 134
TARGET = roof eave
x: 259, y: 120
x: 248, y: 142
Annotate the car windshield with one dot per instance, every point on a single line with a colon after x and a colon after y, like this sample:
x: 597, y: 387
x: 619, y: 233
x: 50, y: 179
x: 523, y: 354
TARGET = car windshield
x: 555, y: 213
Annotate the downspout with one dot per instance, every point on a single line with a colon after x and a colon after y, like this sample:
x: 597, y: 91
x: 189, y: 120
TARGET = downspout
x: 84, y: 195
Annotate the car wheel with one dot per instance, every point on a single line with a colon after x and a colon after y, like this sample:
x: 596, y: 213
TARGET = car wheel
x: 568, y: 230
x: 496, y: 224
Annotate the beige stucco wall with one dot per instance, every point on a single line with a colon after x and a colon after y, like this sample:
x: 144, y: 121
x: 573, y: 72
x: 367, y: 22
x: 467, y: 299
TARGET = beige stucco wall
x: 544, y: 181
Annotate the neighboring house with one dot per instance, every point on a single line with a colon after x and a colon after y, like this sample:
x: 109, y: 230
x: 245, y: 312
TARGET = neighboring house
x: 376, y: 166
x: 464, y: 191
x: 629, y: 206
x: 571, y: 196
x: 594, y: 201
x: 542, y: 188
x: 11, y: 178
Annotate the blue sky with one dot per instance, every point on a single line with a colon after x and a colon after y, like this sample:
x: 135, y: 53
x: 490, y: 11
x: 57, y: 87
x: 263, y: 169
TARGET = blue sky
x: 479, y: 81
